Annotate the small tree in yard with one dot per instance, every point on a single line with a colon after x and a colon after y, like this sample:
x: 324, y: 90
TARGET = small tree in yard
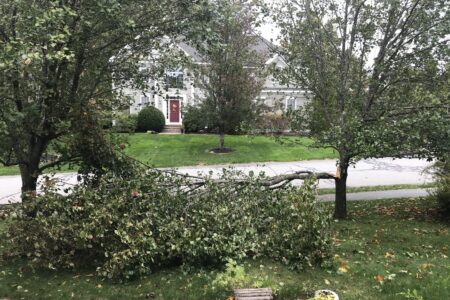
x: 375, y: 72
x: 57, y: 60
x: 232, y: 76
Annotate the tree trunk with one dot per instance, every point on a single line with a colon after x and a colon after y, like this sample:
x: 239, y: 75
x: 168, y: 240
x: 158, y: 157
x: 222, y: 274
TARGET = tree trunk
x: 340, y: 208
x: 221, y: 140
x: 29, y: 174
x: 29, y: 170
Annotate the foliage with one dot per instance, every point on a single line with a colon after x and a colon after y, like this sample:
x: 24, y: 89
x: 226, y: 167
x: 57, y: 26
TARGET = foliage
x: 234, y: 75
x: 125, y: 123
x: 132, y: 224
x: 235, y: 276
x: 402, y: 237
x: 273, y: 123
x: 194, y: 120
x: 57, y: 62
x: 150, y: 118
x: 375, y: 73
x: 95, y: 148
x: 442, y: 192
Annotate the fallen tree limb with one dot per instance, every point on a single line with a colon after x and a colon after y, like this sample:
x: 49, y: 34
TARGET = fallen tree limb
x: 301, y: 175
x: 196, y: 183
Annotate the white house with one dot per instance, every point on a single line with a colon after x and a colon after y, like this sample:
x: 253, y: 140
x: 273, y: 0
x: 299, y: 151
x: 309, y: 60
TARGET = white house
x: 180, y: 91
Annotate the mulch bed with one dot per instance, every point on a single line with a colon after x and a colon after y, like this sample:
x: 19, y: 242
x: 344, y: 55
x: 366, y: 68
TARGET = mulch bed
x: 221, y: 150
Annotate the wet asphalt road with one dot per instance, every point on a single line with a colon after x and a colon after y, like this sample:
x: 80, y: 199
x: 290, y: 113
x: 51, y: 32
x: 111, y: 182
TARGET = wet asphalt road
x: 370, y: 172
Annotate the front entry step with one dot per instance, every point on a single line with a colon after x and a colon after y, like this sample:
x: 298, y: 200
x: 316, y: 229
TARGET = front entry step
x: 171, y: 129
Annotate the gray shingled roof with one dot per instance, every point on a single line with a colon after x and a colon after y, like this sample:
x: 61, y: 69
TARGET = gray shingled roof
x: 262, y: 46
x: 191, y: 52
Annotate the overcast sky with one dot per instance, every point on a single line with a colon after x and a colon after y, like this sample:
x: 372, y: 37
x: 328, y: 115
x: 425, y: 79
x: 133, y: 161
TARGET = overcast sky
x: 269, y: 31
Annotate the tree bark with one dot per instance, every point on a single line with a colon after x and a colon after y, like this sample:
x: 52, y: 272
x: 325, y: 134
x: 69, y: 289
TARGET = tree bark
x: 29, y: 169
x: 29, y: 174
x: 221, y: 140
x: 340, y: 208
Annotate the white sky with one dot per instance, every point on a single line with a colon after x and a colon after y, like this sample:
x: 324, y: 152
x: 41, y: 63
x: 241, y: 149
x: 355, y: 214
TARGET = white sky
x: 269, y: 31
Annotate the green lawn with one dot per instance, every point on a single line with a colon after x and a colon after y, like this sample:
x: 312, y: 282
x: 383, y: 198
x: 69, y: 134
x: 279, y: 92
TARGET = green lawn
x: 386, y: 250
x: 8, y: 170
x: 190, y: 150
x: 376, y: 188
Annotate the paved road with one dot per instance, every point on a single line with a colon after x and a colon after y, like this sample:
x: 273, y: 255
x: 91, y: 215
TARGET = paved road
x: 368, y: 172
x: 391, y: 194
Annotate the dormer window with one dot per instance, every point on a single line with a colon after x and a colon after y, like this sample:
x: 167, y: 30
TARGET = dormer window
x: 175, y: 78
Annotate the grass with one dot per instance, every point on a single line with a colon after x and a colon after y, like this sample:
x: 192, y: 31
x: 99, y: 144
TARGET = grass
x: 385, y: 250
x: 191, y: 150
x: 4, y: 171
x: 377, y: 188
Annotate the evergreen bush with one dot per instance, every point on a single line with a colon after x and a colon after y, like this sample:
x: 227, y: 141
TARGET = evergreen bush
x: 150, y: 118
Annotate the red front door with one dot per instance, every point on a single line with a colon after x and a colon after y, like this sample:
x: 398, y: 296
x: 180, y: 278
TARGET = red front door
x: 174, y: 111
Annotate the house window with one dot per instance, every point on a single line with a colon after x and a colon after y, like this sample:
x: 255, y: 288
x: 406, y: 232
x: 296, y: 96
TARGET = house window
x: 175, y: 78
x: 291, y: 104
x: 144, y: 101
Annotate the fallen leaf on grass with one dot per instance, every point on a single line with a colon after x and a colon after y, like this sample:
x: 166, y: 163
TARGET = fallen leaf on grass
x: 425, y: 266
x: 389, y: 255
x: 379, y: 278
x: 343, y: 267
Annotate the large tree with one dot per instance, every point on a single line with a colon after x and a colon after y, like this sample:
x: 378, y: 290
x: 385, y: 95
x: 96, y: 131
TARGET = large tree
x: 232, y: 76
x: 374, y: 71
x: 57, y: 62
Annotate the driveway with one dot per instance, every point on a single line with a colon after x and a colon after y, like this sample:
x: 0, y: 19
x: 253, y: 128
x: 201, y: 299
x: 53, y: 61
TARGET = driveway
x: 370, y: 172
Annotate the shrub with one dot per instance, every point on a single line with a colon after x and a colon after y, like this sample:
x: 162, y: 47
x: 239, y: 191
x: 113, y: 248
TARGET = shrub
x: 442, y: 192
x: 273, y: 123
x: 125, y: 123
x: 129, y: 226
x: 235, y: 276
x: 194, y: 120
x: 150, y: 118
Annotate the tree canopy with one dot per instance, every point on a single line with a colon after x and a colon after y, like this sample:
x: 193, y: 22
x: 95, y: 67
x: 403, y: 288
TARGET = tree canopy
x: 57, y: 63
x: 377, y: 75
x: 232, y: 76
